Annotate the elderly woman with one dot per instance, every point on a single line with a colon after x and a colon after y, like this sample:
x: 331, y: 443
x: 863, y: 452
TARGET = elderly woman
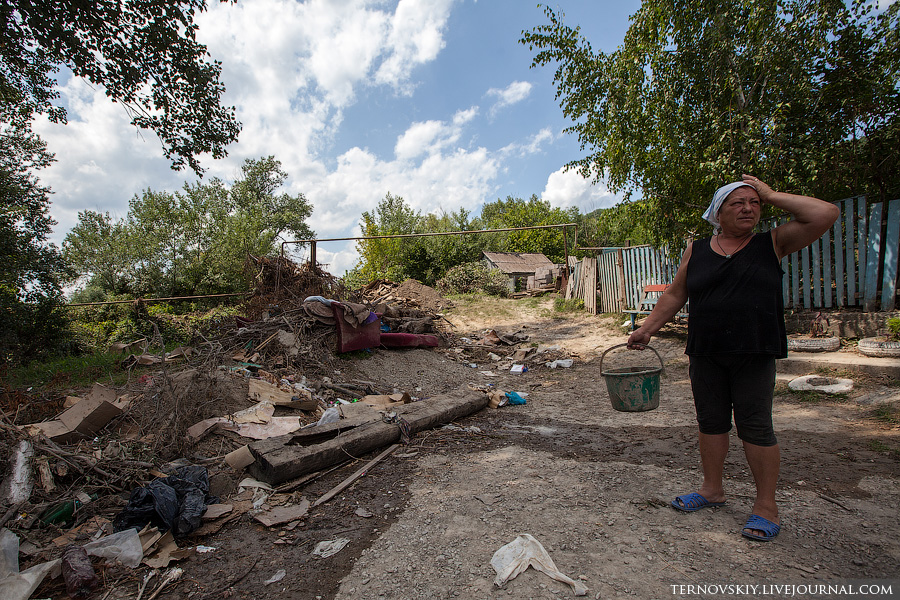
x: 733, y: 281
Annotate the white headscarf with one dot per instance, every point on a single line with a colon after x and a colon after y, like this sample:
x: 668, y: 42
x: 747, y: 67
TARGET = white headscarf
x: 712, y: 213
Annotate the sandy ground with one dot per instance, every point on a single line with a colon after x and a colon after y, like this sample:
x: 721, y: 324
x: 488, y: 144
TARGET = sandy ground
x: 591, y: 484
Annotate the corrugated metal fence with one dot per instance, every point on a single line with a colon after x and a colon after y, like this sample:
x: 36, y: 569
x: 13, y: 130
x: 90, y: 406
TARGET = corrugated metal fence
x: 855, y: 264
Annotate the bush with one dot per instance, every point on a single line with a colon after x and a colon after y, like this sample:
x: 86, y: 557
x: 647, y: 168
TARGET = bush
x: 893, y: 326
x: 474, y: 277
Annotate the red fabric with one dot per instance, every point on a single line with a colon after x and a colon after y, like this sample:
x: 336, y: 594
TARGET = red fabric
x: 408, y: 340
x: 351, y: 338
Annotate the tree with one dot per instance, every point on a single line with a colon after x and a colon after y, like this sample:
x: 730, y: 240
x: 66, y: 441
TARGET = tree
x: 143, y: 53
x: 31, y: 323
x: 190, y: 242
x: 516, y: 212
x: 700, y: 92
x: 390, y: 258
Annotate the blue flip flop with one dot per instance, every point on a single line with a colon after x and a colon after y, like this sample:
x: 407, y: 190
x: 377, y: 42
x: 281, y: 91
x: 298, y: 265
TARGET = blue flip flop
x: 755, y: 522
x: 692, y: 502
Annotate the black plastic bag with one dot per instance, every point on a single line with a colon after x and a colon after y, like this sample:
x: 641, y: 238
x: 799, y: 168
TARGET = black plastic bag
x: 176, y: 502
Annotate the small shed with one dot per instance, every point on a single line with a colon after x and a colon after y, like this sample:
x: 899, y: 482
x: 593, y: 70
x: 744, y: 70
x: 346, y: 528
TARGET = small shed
x: 520, y: 267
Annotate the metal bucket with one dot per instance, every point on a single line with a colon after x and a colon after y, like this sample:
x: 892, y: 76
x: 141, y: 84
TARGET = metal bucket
x: 632, y: 389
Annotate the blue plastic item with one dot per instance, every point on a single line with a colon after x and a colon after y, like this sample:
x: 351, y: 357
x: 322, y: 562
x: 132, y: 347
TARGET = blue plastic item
x: 513, y: 398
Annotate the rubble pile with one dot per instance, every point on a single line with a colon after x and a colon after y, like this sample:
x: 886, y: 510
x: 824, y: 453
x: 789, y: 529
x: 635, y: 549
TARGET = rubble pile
x: 268, y: 396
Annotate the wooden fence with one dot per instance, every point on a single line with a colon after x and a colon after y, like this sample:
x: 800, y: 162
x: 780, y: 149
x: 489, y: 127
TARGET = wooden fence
x: 855, y: 264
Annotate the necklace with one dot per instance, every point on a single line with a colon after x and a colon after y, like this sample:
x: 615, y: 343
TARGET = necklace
x: 727, y: 255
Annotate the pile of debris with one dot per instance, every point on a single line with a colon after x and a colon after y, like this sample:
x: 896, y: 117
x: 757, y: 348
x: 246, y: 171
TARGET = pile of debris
x: 264, y: 397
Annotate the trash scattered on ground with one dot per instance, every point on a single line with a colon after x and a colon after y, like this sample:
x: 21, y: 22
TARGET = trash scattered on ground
x: 278, y: 576
x: 330, y: 547
x: 523, y: 552
x: 176, y: 502
x: 268, y: 374
x: 514, y: 398
x: 562, y: 363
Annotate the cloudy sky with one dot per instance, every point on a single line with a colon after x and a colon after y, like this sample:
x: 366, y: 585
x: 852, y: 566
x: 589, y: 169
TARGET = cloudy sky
x: 431, y: 100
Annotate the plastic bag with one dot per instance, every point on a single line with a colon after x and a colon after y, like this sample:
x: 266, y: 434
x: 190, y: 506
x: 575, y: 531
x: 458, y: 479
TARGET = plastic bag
x: 512, y: 398
x: 124, y: 546
x: 332, y: 415
x: 176, y: 502
x: 78, y: 572
x: 523, y: 552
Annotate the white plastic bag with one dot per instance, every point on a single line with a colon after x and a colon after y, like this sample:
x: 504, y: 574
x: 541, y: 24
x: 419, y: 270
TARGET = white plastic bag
x: 523, y: 552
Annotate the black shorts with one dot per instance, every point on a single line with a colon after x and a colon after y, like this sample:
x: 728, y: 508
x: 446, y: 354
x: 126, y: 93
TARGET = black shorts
x: 742, y: 384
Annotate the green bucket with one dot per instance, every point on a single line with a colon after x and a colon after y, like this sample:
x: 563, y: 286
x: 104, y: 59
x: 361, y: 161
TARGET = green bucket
x: 633, y: 389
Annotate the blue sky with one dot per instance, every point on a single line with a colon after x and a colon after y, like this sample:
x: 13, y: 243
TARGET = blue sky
x: 431, y: 100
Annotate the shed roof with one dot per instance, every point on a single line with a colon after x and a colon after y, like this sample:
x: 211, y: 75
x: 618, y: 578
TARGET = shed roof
x: 517, y: 262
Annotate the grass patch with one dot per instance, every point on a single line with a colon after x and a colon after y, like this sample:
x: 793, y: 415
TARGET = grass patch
x: 882, y: 448
x: 887, y: 413
x: 814, y: 397
x: 568, y: 305
x: 69, y: 372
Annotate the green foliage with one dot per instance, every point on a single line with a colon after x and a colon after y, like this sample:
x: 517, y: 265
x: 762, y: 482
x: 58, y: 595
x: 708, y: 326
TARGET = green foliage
x: 799, y: 92
x: 516, y: 212
x: 97, y: 327
x: 424, y: 258
x: 564, y: 305
x: 31, y: 323
x: 144, y: 54
x: 893, y: 326
x: 474, y: 278
x: 190, y: 242
x: 68, y: 372
x: 620, y: 225
x: 387, y: 258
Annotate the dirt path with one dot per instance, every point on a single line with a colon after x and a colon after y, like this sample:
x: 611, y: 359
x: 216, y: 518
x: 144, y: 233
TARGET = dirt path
x: 591, y: 484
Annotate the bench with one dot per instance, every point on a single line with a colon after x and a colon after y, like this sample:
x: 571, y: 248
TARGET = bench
x: 649, y: 297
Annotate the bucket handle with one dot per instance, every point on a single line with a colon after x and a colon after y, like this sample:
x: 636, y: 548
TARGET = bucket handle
x: 620, y: 345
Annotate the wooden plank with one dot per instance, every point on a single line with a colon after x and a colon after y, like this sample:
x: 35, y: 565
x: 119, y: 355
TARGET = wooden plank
x: 850, y: 250
x: 861, y: 249
x: 870, y: 291
x: 349, y: 481
x: 804, y: 276
x: 284, y: 458
x: 816, y: 279
x: 785, y: 281
x: 795, y: 280
x: 623, y: 290
x: 891, y: 250
x: 839, y: 258
x: 592, y: 287
x: 827, y: 279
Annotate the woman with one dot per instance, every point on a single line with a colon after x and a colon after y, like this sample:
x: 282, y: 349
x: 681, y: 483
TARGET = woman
x: 735, y: 333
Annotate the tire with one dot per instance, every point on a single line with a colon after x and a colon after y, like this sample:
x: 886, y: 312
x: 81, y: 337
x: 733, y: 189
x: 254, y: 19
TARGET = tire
x: 827, y: 344
x: 878, y: 347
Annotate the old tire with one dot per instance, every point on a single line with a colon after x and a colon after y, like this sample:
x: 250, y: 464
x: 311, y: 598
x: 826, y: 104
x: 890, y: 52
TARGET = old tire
x: 879, y: 347
x: 826, y: 344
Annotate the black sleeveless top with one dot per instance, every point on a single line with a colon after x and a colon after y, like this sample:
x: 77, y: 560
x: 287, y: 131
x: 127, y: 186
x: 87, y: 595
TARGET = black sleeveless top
x: 736, y: 304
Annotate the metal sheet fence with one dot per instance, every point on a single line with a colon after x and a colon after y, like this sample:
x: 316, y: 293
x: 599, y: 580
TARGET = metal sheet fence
x: 855, y: 264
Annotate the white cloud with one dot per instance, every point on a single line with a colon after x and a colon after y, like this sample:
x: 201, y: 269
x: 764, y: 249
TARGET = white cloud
x: 429, y: 137
x: 415, y: 37
x: 439, y: 181
x: 531, y: 146
x: 568, y: 188
x: 513, y: 93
